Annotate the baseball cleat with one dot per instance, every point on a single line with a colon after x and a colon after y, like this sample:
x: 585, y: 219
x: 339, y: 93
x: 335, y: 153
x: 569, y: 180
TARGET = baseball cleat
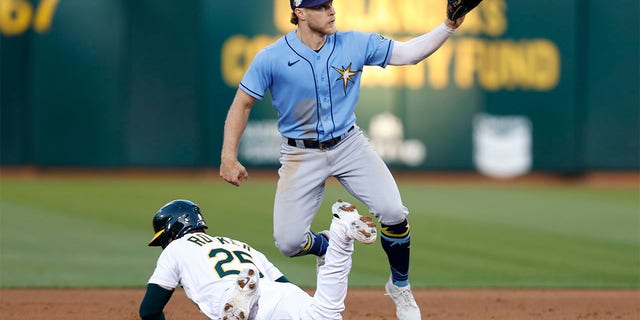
x: 243, y: 304
x: 361, y: 228
x: 406, y: 306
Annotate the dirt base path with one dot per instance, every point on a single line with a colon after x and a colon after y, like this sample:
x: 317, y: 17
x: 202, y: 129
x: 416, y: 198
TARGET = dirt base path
x: 447, y: 304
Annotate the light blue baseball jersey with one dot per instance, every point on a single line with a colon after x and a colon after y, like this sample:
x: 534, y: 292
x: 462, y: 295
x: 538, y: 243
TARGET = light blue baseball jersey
x: 315, y: 93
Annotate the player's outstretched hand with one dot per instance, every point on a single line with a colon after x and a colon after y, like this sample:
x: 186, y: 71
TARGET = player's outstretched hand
x: 233, y: 171
x: 454, y: 24
x: 457, y: 9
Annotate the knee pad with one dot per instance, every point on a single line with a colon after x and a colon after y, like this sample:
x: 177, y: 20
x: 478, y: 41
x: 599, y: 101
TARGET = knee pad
x: 400, y: 230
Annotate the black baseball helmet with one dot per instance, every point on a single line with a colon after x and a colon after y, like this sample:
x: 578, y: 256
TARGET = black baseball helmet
x: 174, y: 220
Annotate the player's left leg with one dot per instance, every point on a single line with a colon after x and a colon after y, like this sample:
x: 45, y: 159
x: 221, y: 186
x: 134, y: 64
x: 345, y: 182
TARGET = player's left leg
x: 365, y: 175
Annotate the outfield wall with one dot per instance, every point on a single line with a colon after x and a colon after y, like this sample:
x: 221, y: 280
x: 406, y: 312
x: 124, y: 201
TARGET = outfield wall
x: 524, y: 86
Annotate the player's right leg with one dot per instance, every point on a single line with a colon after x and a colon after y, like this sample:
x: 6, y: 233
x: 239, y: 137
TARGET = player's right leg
x: 301, y: 184
x: 332, y: 282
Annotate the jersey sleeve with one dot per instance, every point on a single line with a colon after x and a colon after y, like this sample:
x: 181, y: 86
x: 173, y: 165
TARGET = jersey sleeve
x: 269, y: 270
x: 378, y: 50
x: 166, y: 273
x: 257, y: 79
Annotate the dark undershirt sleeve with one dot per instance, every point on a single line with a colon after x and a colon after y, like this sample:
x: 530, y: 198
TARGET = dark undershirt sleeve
x: 155, y: 298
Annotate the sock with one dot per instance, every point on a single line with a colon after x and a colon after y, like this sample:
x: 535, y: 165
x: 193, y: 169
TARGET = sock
x: 316, y: 245
x: 396, y: 241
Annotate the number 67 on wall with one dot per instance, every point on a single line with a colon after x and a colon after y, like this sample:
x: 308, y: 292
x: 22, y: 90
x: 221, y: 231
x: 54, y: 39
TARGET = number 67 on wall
x: 17, y: 15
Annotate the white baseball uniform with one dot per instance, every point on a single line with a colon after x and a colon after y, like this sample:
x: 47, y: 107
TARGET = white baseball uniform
x: 206, y: 266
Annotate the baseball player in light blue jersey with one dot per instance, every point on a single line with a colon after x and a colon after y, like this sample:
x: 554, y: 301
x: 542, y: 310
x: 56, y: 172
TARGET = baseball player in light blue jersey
x: 313, y: 74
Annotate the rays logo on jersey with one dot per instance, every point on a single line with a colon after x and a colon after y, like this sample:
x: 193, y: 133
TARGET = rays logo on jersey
x: 346, y: 76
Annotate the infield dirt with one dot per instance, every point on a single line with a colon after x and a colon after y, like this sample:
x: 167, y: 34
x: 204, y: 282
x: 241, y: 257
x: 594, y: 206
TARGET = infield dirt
x: 445, y: 304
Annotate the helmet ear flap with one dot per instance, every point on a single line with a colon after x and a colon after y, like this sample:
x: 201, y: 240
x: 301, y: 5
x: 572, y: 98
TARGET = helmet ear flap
x: 163, y: 240
x: 175, y: 229
x: 160, y: 239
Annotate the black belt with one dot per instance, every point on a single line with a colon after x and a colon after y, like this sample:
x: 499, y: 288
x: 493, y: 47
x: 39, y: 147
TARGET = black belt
x: 315, y: 144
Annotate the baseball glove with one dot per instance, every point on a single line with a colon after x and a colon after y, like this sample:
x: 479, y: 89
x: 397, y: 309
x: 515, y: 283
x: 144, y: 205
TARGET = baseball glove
x: 458, y: 8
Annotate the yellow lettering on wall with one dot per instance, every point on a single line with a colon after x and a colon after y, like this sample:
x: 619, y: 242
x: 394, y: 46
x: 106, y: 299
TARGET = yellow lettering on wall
x: 44, y: 15
x: 499, y: 64
x: 490, y: 67
x: 439, y: 65
x: 525, y: 64
x: 546, y: 61
x: 385, y: 16
x: 465, y: 62
x: 494, y: 17
x: 15, y: 16
x: 233, y: 60
x: 375, y: 76
x: 236, y: 56
x: 417, y: 17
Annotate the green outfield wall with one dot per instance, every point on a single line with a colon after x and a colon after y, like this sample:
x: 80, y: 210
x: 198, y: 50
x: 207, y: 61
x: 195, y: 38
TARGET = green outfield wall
x: 523, y: 86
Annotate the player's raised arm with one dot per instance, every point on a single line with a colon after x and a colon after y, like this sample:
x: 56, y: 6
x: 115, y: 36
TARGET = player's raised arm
x: 231, y: 170
x: 421, y: 47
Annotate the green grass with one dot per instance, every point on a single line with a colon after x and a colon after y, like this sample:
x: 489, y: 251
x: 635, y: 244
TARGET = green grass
x: 92, y: 232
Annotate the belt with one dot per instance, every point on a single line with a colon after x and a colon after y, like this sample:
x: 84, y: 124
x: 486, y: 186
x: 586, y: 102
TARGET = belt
x: 315, y: 144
